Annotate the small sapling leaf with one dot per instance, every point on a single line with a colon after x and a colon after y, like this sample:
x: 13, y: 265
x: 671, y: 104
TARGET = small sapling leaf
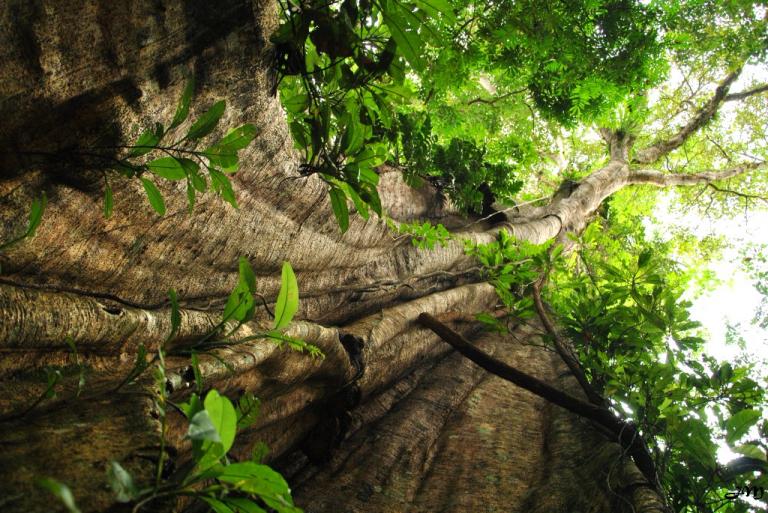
x: 154, y: 196
x: 207, y: 122
x: 287, y: 298
x: 182, y: 111
x: 121, y: 482
x: 169, y: 168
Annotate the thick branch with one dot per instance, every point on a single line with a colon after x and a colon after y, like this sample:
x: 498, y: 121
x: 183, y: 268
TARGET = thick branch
x: 659, y: 179
x: 625, y: 432
x: 658, y: 149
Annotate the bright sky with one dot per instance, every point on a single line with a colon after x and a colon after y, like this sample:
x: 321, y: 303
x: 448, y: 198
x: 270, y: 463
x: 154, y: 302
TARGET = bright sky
x: 735, y: 300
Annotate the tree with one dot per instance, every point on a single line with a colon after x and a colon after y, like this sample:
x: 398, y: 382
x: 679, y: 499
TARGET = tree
x: 390, y: 418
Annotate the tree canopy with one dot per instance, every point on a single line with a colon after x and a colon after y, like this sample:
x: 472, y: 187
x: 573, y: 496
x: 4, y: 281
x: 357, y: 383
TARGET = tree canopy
x: 503, y: 101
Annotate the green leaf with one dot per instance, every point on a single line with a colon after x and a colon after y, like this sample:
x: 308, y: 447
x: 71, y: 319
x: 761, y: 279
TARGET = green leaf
x: 261, y: 480
x: 299, y: 134
x: 223, y: 156
x: 190, y: 167
x: 296, y: 104
x: 294, y: 343
x: 190, y: 196
x: 154, y: 196
x: 245, y: 505
x: 223, y: 186
x: 372, y: 198
x: 360, y: 205
x: 197, y: 180
x: 121, y: 482
x: 739, y: 424
x: 175, y: 314
x: 223, y: 417
x: 216, y: 505
x: 36, y: 214
x: 240, y: 137
x: 61, y: 491
x: 169, y: 168
x: 752, y: 451
x: 353, y: 137
x: 369, y: 157
x: 246, y: 274
x: 201, y: 428
x: 339, y: 206
x: 370, y: 176
x: 52, y: 376
x: 207, y: 122
x: 146, y: 142
x: 644, y: 258
x: 437, y: 7
x: 248, y: 407
x: 109, y: 202
x: 240, y: 305
x: 287, y: 299
x: 259, y: 452
x: 408, y: 42
x: 191, y: 407
x: 182, y: 111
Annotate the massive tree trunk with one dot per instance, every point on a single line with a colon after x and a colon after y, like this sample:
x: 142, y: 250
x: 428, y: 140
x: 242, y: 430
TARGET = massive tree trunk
x: 420, y: 429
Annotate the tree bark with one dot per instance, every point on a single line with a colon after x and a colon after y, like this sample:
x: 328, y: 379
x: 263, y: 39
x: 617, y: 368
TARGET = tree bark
x: 424, y: 430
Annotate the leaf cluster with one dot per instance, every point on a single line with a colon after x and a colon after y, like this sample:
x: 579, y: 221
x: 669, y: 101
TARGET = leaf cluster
x: 343, y: 66
x: 182, y: 160
x: 640, y: 348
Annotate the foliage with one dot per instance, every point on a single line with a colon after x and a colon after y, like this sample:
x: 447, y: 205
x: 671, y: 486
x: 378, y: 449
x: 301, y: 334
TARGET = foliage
x: 348, y: 65
x: 578, y: 58
x: 756, y: 262
x: 464, y: 173
x: 241, y: 306
x: 633, y: 333
x: 343, y: 67
x: 511, y: 266
x: 423, y: 235
x: 36, y: 211
x: 182, y: 160
x: 225, y: 486
x: 61, y: 491
x: 620, y: 302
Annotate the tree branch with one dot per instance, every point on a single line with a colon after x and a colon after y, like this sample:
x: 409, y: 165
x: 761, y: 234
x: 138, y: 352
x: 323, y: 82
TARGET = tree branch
x: 625, y: 432
x: 659, y: 179
x: 564, y: 351
x: 738, y: 193
x: 658, y: 149
x: 498, y: 98
x: 746, y: 94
